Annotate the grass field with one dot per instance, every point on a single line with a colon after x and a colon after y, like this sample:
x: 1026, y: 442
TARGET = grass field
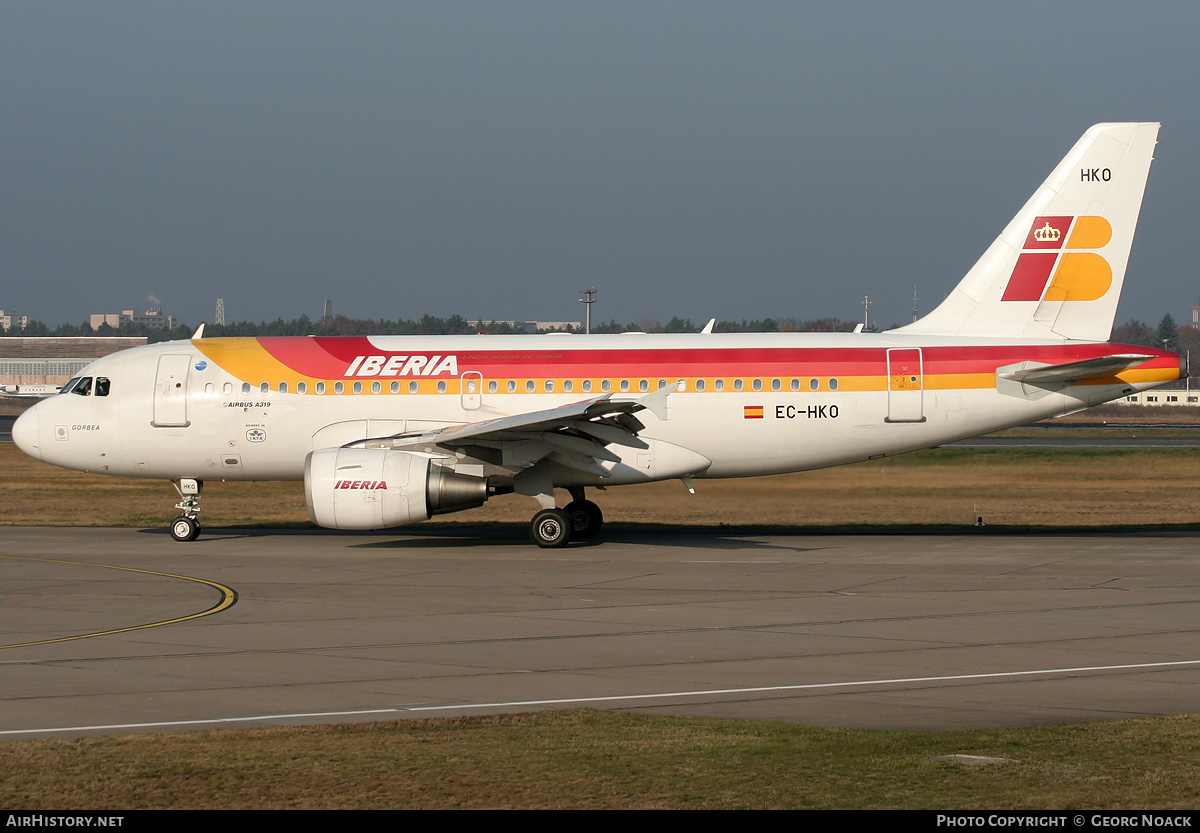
x: 591, y: 759
x: 944, y: 487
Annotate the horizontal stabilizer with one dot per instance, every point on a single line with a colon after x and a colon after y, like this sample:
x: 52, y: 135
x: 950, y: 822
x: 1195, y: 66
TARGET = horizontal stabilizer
x: 1037, y: 373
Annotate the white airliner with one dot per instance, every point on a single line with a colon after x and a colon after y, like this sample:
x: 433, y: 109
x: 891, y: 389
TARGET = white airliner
x: 28, y: 391
x: 386, y: 431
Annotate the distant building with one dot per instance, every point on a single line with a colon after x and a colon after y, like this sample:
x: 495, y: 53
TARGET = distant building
x: 535, y: 326
x: 9, y: 319
x: 152, y: 318
x: 52, y: 361
x: 1162, y: 397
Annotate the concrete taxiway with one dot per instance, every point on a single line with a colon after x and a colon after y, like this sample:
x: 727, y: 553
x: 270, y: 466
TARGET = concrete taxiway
x: 122, y: 630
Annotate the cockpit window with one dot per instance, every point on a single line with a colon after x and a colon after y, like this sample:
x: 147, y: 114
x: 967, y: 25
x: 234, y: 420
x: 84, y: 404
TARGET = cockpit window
x: 69, y: 385
x: 84, y: 387
x: 101, y: 386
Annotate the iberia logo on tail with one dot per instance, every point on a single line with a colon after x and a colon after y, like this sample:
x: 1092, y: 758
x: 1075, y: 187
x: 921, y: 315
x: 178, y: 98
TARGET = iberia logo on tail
x: 1051, y: 249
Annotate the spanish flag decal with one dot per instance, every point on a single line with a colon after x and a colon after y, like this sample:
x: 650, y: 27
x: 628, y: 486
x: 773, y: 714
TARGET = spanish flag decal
x: 752, y: 412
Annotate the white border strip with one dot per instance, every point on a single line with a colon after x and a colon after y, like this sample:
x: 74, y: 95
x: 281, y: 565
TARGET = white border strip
x: 574, y: 701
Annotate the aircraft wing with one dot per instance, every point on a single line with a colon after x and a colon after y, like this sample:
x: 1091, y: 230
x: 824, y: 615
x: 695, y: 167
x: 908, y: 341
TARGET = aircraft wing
x: 1071, y: 372
x: 575, y: 435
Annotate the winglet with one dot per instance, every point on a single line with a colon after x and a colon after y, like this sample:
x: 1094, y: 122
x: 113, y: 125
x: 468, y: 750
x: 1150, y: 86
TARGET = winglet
x: 656, y: 401
x: 199, y: 331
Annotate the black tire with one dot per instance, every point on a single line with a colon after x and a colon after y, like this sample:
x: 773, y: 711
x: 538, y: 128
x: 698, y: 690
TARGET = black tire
x: 551, y: 528
x: 586, y: 519
x: 185, y: 529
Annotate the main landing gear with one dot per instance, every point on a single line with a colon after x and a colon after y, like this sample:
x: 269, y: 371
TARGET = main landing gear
x: 553, y: 528
x: 186, y: 527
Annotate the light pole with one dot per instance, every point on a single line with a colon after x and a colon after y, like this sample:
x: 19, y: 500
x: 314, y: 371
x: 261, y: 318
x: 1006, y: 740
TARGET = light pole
x: 589, y: 298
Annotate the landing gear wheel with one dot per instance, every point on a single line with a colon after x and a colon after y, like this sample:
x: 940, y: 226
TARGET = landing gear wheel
x: 185, y: 529
x: 586, y: 519
x: 551, y: 528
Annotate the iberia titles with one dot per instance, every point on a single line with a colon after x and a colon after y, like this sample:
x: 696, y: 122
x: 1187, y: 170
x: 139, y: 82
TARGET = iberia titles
x: 369, y: 485
x: 398, y: 365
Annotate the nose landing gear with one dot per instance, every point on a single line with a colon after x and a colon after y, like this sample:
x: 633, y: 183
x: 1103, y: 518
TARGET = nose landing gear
x: 186, y: 527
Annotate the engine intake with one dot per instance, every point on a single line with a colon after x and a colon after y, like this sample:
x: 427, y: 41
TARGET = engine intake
x: 373, y: 488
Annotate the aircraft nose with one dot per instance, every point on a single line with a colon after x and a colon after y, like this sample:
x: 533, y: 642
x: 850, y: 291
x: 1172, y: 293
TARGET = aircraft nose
x: 25, y: 433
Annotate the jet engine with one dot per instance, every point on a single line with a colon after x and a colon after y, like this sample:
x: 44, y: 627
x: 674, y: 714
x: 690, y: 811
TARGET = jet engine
x: 374, y: 488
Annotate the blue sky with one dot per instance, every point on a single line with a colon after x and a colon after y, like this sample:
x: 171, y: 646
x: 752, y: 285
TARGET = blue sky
x: 698, y: 159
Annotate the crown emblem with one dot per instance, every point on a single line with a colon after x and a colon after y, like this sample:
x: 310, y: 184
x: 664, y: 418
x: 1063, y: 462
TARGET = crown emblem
x: 1047, y: 234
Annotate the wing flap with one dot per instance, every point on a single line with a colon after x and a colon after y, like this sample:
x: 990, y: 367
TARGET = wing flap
x: 574, y: 435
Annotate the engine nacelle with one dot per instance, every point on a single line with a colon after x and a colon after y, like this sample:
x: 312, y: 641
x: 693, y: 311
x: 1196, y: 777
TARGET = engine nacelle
x: 374, y: 488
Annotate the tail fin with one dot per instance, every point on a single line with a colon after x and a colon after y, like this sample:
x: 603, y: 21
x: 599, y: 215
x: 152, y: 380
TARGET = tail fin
x: 1056, y: 270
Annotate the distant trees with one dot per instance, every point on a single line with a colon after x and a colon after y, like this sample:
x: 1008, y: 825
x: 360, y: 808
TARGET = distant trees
x: 1168, y: 334
x: 1134, y: 331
